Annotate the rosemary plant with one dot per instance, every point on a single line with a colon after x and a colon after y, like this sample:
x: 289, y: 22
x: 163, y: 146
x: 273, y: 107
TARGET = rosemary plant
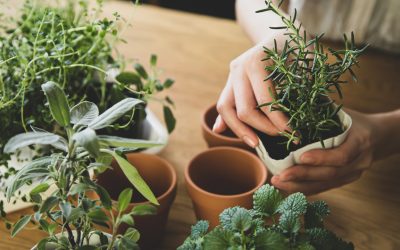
x: 69, y: 44
x: 303, y: 78
x: 69, y: 206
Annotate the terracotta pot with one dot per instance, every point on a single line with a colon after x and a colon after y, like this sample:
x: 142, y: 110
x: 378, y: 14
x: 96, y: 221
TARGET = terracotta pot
x: 227, y: 138
x: 161, y: 178
x: 223, y: 177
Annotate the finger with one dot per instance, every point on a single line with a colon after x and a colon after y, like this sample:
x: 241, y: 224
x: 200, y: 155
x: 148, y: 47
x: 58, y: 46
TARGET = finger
x: 226, y: 108
x: 219, y: 125
x: 261, y: 90
x: 311, y: 173
x: 314, y: 187
x: 342, y: 155
x: 246, y: 104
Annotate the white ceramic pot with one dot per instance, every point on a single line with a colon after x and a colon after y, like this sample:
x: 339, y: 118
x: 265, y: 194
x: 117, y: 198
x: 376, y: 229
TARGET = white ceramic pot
x: 277, y: 166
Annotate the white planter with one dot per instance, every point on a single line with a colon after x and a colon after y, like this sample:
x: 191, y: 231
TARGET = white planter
x: 277, y: 166
x: 153, y: 130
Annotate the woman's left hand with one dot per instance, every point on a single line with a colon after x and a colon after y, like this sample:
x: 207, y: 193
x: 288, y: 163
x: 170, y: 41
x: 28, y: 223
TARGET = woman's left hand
x: 325, y: 169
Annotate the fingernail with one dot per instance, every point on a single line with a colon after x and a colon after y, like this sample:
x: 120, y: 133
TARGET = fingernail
x: 216, y: 124
x: 305, y: 159
x: 249, y: 141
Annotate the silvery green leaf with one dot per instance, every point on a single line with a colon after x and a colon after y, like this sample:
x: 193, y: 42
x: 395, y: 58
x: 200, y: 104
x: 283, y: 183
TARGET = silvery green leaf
x: 20, y: 224
x: 30, y: 138
x: 114, y: 113
x: 84, y: 113
x: 115, y: 141
x: 61, y: 144
x: 87, y: 138
x: 35, y: 169
x: 58, y: 103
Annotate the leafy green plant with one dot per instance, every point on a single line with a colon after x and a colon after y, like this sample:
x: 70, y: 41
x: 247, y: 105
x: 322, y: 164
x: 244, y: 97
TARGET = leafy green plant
x: 70, y: 206
x: 273, y: 223
x: 303, y: 78
x: 71, y: 45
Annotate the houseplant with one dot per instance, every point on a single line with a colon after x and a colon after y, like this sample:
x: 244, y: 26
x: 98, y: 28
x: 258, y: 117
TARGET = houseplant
x: 272, y: 223
x: 222, y: 177
x: 66, y: 173
x: 162, y: 180
x: 72, y: 45
x: 303, y: 78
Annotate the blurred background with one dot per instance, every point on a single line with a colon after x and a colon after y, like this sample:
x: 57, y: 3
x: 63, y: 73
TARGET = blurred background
x: 218, y: 8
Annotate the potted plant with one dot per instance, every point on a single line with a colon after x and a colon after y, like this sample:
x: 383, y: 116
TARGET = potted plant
x: 65, y: 176
x: 303, y: 78
x: 72, y: 45
x: 272, y: 223
x: 226, y: 138
x: 221, y: 177
x: 162, y: 180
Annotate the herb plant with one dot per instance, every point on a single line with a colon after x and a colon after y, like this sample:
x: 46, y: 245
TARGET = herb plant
x: 273, y: 223
x: 71, y: 45
x: 70, y: 208
x: 303, y: 78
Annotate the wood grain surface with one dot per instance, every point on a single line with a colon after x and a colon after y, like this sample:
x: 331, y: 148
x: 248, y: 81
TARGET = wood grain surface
x: 196, y: 50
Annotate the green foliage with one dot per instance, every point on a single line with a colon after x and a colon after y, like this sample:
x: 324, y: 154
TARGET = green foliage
x: 251, y: 229
x: 69, y: 207
x: 70, y: 44
x: 303, y: 78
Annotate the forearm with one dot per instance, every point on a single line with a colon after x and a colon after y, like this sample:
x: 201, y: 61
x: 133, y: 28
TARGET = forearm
x: 388, y: 133
x: 255, y: 24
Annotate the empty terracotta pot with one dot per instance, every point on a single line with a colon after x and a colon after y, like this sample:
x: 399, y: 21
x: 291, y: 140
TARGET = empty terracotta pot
x: 161, y: 178
x: 227, y: 138
x: 223, y: 177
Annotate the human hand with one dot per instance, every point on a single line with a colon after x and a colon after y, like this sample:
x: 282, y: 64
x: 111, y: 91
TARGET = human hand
x: 324, y: 169
x: 244, y: 91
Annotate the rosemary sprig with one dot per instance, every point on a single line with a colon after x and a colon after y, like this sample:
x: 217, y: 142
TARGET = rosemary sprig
x: 303, y: 79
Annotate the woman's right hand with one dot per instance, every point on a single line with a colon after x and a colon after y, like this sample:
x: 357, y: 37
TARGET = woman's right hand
x: 244, y: 91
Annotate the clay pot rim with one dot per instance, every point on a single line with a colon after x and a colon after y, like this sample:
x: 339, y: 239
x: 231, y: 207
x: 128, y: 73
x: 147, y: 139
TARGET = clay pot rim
x: 263, y: 177
x: 220, y: 136
x: 170, y: 189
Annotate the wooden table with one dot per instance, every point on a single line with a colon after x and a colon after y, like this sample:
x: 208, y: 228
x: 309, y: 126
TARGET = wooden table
x: 196, y: 50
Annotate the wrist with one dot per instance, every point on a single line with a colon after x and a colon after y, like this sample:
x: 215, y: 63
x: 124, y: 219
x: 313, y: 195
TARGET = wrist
x: 386, y: 134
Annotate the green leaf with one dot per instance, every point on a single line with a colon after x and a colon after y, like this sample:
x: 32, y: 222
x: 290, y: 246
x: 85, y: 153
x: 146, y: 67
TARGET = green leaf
x: 79, y: 188
x: 30, y: 138
x: 75, y: 214
x: 153, y: 60
x: 48, y: 204
x: 104, y: 197
x: 218, y: 239
x: 87, y: 138
x: 270, y: 240
x: 241, y: 220
x: 104, y: 158
x: 295, y: 204
x: 128, y: 78
x: 40, y: 188
x: 124, y: 199
x: 20, y: 225
x: 65, y: 209
x: 57, y: 102
x: 132, y: 233
x: 290, y: 223
x: 36, y: 169
x: 115, y: 141
x: 134, y: 177
x: 128, y: 219
x: 266, y: 200
x: 98, y: 214
x: 141, y: 71
x: 169, y: 119
x: 114, y: 113
x: 316, y: 211
x: 199, y: 229
x: 144, y: 209
x: 84, y: 113
x: 168, y: 83
x: 126, y: 243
